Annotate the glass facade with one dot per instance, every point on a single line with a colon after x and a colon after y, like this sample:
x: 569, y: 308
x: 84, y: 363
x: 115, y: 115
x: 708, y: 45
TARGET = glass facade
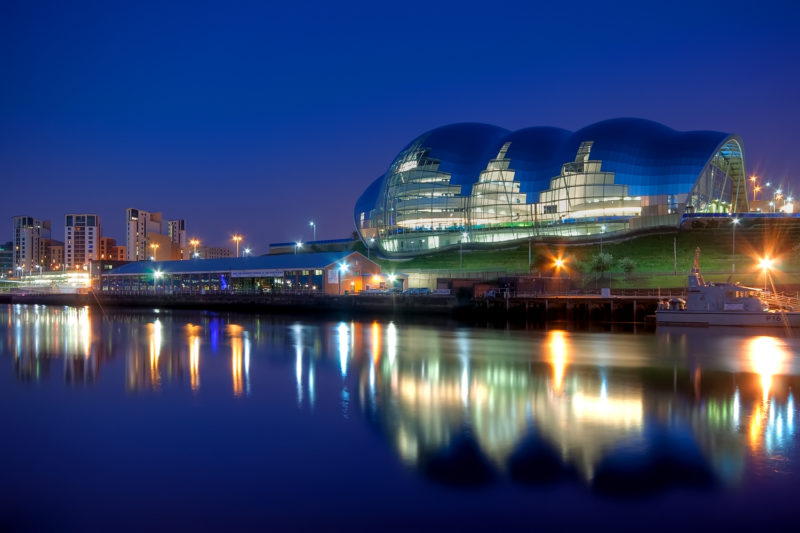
x: 478, y: 184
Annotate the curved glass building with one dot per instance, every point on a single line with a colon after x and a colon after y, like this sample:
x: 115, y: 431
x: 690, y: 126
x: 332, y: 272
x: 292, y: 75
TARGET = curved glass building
x: 473, y: 184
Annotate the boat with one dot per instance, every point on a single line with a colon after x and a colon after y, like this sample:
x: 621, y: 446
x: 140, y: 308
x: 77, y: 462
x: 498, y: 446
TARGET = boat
x: 727, y: 304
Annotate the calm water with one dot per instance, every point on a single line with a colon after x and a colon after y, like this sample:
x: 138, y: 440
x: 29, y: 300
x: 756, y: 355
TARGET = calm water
x: 201, y: 420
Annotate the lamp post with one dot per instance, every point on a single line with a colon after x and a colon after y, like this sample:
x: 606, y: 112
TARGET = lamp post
x: 754, y: 179
x: 313, y: 227
x: 237, y: 239
x: 246, y: 252
x: 735, y: 222
x: 602, y: 232
x: 461, y: 251
x: 194, y: 242
x: 298, y: 244
x: 342, y: 270
x: 766, y: 264
x: 369, y: 246
x: 154, y: 246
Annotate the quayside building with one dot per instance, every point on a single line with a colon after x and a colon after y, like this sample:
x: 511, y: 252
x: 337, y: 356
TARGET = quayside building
x: 324, y: 273
x: 478, y: 185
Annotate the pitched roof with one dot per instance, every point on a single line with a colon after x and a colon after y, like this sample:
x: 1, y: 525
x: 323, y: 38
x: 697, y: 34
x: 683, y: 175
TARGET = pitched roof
x: 233, y: 264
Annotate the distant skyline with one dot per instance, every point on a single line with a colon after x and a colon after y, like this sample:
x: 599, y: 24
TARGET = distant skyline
x: 255, y: 119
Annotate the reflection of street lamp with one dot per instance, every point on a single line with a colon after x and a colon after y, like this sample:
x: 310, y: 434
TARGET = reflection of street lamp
x: 154, y: 246
x: 735, y: 222
x: 314, y: 227
x: 461, y: 251
x: 766, y: 264
x: 237, y: 239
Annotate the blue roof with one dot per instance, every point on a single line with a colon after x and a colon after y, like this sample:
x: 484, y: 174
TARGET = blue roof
x: 649, y: 157
x: 232, y: 264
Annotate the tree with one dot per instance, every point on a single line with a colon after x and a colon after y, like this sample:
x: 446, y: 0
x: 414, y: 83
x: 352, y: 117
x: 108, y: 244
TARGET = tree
x: 627, y: 265
x: 601, y: 263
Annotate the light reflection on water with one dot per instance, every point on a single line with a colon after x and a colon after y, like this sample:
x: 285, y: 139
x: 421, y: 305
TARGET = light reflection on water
x: 463, y: 405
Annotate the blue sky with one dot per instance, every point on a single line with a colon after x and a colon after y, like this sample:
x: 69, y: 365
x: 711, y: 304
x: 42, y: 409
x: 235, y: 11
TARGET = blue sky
x: 255, y: 118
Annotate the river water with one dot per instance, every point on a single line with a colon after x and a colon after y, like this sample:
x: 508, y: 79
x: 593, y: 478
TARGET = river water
x: 188, y: 420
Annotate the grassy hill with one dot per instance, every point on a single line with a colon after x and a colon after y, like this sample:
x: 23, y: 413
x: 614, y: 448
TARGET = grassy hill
x: 652, y: 255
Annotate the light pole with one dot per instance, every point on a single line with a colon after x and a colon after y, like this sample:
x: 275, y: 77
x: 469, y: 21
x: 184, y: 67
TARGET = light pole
x: 194, y: 242
x: 766, y: 264
x: 237, y: 239
x: 754, y: 179
x: 154, y: 246
x: 342, y: 270
x: 461, y: 251
x: 602, y: 232
x: 298, y: 244
x: 369, y: 246
x: 735, y: 222
x: 246, y: 251
x: 313, y: 227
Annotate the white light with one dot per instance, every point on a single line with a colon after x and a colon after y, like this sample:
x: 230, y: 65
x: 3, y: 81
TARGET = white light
x: 343, y: 267
x: 735, y: 220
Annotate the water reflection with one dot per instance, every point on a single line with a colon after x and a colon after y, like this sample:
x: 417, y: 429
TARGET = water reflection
x: 466, y: 405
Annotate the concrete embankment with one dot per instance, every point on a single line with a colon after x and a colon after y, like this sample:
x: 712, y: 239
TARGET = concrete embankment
x: 534, y: 309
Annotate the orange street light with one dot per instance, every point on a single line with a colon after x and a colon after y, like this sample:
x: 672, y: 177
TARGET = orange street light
x: 194, y: 242
x: 154, y: 246
x: 237, y: 239
x: 766, y: 265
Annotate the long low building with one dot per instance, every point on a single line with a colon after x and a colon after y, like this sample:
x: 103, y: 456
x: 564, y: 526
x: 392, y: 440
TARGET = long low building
x: 328, y: 273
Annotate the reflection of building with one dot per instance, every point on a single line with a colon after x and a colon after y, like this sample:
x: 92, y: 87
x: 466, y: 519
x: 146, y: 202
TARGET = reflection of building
x: 81, y: 239
x: 476, y: 183
x: 28, y: 232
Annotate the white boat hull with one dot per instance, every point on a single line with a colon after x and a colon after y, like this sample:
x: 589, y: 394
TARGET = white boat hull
x: 772, y: 319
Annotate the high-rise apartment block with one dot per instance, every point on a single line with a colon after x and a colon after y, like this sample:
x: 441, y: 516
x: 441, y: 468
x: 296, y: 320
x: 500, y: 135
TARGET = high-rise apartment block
x: 28, y: 251
x: 81, y: 240
x: 6, y: 259
x: 146, y: 237
x: 140, y: 224
x: 177, y: 235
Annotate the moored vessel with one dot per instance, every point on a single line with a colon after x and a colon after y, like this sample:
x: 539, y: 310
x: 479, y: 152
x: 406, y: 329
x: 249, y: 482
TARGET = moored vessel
x: 727, y: 304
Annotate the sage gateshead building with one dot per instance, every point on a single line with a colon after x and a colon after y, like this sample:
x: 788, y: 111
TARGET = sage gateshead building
x: 477, y: 185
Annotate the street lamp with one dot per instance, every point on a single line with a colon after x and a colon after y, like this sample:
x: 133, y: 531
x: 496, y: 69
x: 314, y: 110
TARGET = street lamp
x: 755, y: 186
x: 342, y: 269
x: 194, y: 242
x: 602, y: 232
x: 298, y: 244
x: 314, y: 227
x: 369, y: 246
x: 735, y: 222
x: 154, y: 246
x: 461, y: 251
x: 766, y: 264
x: 156, y: 276
x: 246, y: 251
x: 237, y: 239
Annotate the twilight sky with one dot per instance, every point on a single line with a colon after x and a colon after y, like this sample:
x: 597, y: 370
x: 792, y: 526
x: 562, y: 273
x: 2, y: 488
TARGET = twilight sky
x: 256, y: 118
